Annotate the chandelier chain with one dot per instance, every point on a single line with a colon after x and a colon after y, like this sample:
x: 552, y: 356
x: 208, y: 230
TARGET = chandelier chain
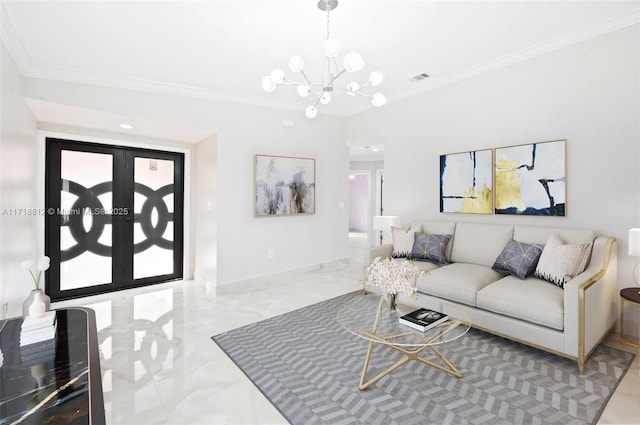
x: 352, y: 63
x: 328, y: 23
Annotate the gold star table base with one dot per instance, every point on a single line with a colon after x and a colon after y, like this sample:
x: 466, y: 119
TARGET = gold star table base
x: 449, y: 330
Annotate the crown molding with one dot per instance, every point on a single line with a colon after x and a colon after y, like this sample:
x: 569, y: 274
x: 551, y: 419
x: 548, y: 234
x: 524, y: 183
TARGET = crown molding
x: 577, y: 36
x: 18, y: 51
x: 159, y: 87
x: 150, y: 86
x: 12, y: 40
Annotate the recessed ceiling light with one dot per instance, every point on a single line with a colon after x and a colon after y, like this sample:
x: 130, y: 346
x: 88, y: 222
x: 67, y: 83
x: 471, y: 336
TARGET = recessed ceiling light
x: 126, y: 126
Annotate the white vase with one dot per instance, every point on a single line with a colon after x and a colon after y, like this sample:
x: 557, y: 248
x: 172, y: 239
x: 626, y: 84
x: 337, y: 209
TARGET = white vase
x: 37, y: 307
x: 27, y: 303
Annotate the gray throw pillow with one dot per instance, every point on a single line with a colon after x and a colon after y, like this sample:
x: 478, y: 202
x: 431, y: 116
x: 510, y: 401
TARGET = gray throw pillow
x: 518, y: 258
x: 427, y: 247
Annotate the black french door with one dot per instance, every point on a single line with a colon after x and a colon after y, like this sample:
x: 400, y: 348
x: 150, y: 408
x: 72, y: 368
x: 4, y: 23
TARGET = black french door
x: 114, y: 217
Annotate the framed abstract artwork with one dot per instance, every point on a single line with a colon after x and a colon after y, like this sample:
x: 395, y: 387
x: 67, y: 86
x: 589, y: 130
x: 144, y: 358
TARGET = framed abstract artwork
x: 531, y: 179
x: 466, y: 182
x: 284, y: 186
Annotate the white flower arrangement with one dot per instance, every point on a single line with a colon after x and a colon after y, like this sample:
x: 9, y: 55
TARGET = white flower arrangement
x: 42, y: 265
x: 393, y: 277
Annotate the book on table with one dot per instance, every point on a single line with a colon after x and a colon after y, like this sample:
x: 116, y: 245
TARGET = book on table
x: 37, y: 330
x: 38, y: 335
x: 423, y: 319
x: 30, y: 323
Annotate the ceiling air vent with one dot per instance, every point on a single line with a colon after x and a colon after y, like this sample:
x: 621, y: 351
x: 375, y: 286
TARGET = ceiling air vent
x: 418, y: 77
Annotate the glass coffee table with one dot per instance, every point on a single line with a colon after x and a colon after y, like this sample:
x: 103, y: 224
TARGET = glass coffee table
x: 369, y: 317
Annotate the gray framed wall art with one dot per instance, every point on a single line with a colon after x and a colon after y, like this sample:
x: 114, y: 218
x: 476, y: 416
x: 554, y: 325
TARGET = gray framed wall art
x: 284, y: 186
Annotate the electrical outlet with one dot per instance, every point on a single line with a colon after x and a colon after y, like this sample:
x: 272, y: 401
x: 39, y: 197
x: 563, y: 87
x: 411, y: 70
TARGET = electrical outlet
x: 5, y: 310
x: 271, y: 254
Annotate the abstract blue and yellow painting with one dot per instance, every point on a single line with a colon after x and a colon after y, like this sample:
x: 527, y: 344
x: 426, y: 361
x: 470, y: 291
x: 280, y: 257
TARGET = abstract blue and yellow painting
x: 466, y: 182
x: 531, y: 179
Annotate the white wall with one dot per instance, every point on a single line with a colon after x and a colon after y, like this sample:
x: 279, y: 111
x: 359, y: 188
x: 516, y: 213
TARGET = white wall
x: 204, y: 206
x: 588, y: 93
x: 243, y: 131
x: 18, y: 170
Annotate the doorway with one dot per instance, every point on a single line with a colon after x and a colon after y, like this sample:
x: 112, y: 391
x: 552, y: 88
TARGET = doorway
x: 359, y: 209
x: 114, y: 217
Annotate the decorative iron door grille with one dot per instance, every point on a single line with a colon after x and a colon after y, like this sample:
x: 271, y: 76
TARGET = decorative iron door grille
x: 113, y: 217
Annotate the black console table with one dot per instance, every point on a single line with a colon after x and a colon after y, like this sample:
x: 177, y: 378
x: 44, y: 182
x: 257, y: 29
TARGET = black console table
x: 61, y: 386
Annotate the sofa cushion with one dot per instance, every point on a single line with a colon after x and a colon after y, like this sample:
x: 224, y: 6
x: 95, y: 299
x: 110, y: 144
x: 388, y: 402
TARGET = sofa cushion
x: 402, y: 238
x: 560, y: 263
x: 518, y: 258
x: 428, y: 247
x: 458, y: 282
x: 479, y: 243
x: 439, y: 228
x: 531, y: 299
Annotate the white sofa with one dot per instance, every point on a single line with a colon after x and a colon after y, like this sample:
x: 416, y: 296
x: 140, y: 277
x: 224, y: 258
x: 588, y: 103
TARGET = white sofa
x: 569, y: 321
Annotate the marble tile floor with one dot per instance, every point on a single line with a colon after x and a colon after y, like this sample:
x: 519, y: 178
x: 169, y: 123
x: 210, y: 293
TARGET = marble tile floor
x: 160, y: 366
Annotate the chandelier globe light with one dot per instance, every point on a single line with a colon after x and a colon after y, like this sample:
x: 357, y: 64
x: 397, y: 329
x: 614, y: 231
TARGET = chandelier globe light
x: 321, y: 91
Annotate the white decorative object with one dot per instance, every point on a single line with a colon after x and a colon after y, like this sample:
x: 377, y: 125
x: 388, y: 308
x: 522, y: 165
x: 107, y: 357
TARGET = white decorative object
x: 27, y: 303
x: 352, y: 62
x: 393, y: 277
x: 41, y: 266
x: 403, y: 239
x: 38, y: 307
x: 560, y: 263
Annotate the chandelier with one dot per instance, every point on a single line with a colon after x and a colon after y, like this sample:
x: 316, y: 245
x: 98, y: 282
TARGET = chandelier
x: 352, y: 62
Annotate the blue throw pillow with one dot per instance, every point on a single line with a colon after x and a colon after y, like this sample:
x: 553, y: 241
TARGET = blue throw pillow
x: 430, y: 248
x: 518, y: 258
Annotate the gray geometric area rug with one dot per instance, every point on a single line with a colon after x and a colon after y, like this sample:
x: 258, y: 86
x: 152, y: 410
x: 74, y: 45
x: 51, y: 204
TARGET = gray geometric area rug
x: 309, y: 367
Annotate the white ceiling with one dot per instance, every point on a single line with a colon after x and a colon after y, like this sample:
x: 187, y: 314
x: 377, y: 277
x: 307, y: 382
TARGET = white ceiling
x: 222, y: 49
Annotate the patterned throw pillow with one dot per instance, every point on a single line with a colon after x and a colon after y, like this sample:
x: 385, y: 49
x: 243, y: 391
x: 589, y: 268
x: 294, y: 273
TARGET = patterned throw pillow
x: 560, y: 263
x: 518, y: 258
x: 430, y: 248
x: 402, y: 238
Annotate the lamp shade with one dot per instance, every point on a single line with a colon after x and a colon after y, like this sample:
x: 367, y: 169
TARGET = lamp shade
x: 353, y: 62
x: 634, y: 242
x: 376, y: 78
x: 378, y: 99
x: 311, y: 111
x: 296, y: 64
x: 385, y: 222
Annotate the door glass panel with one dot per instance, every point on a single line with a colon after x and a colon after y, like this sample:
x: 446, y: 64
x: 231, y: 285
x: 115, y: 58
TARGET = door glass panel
x: 86, y: 200
x: 153, y: 221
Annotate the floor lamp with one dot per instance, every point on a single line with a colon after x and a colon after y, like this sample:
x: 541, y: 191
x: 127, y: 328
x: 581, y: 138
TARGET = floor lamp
x: 383, y: 224
x: 634, y: 250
